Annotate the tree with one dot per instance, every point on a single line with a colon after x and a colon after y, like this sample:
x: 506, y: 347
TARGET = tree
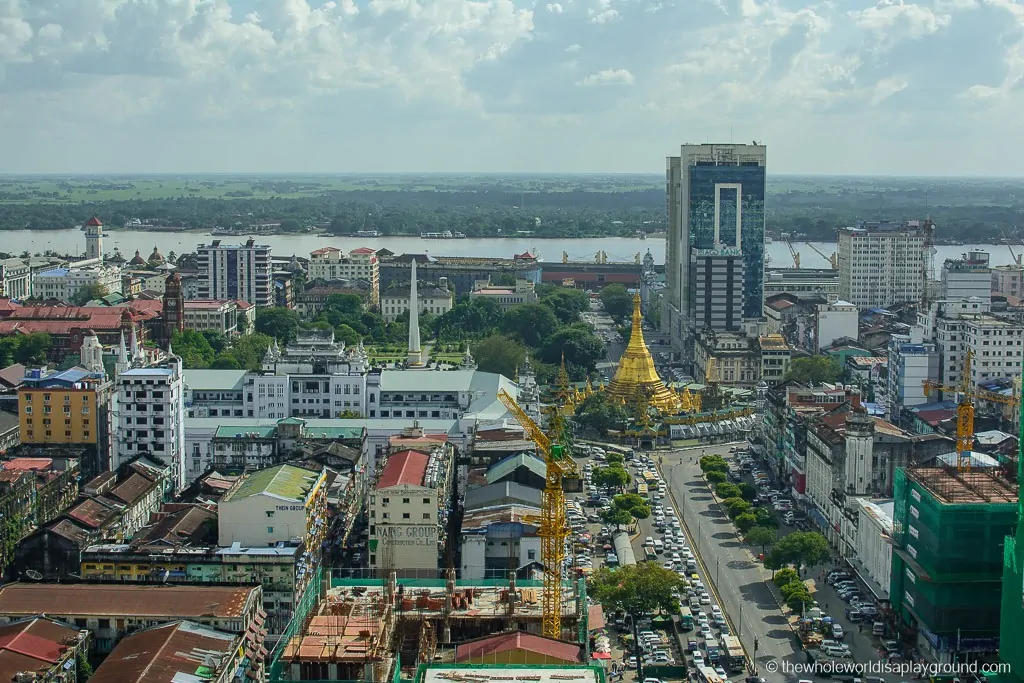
x: 566, y: 304
x: 580, y: 347
x: 636, y: 589
x: 814, y: 370
x: 803, y: 548
x: 785, y: 576
x: 737, y: 507
x: 727, y: 490
x: 611, y: 477
x: 715, y: 476
x: 531, y: 323
x: 280, y: 323
x: 616, y: 516
x: 194, y: 349
x: 242, y: 324
x: 348, y: 335
x: 499, y: 354
x: 745, y: 521
x: 32, y: 349
x: 88, y: 293
x: 762, y: 536
x: 746, y: 491
x: 800, y: 600
x: 617, y: 302
x: 615, y: 459
x: 766, y: 518
x: 636, y: 505
x: 713, y: 463
x: 600, y: 414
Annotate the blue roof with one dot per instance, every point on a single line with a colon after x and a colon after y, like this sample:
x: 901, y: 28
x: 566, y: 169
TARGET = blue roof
x: 55, y: 272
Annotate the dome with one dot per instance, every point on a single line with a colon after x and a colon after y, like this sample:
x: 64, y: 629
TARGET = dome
x: 156, y: 256
x: 138, y: 260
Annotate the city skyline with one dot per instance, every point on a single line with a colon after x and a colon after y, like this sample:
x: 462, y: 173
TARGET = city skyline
x: 844, y: 88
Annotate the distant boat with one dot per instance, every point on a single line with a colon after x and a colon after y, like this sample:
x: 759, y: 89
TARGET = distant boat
x: 367, y: 233
x: 446, y: 235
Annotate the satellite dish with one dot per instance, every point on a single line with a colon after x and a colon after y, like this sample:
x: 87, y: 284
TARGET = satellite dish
x: 33, y: 574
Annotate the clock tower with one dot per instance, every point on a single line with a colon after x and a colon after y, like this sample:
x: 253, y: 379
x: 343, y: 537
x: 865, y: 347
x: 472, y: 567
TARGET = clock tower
x: 174, y: 308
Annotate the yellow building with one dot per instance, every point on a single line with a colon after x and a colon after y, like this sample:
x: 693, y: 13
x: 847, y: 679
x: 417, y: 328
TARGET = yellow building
x: 65, y: 407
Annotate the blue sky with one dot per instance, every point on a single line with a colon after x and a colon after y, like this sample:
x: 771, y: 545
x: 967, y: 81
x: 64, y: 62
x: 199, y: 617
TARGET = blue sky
x: 889, y: 87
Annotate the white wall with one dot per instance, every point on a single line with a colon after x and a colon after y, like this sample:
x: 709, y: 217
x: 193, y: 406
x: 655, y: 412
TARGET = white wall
x: 873, y: 552
x: 835, y: 322
x: 246, y: 521
x: 406, y: 532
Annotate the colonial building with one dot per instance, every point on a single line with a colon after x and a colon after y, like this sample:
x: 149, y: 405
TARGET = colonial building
x: 434, y: 300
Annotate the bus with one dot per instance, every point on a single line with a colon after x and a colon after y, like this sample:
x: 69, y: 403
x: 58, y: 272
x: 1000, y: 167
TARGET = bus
x: 641, y: 489
x: 714, y: 651
x: 650, y: 477
x: 626, y: 452
x: 705, y: 674
x: 735, y: 659
x: 686, y: 617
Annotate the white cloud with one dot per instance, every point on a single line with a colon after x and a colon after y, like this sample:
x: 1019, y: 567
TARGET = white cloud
x: 309, y: 85
x: 609, y: 77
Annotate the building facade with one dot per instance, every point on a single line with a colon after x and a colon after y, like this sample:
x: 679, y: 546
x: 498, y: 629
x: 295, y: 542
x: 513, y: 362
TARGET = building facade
x: 217, y: 315
x: 151, y: 416
x: 881, y: 263
x: 236, y: 272
x: 65, y: 284
x: 911, y: 362
x: 967, y: 277
x: 332, y: 265
x: 435, y: 300
x: 1008, y: 280
x: 805, y: 283
x: 835, y: 321
x: 715, y: 199
x: 522, y: 292
x: 716, y: 280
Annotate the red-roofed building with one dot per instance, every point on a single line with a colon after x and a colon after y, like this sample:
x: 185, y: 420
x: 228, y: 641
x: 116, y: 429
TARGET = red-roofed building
x: 518, y: 647
x: 408, y: 510
x: 34, y: 464
x: 66, y: 325
x: 44, y: 647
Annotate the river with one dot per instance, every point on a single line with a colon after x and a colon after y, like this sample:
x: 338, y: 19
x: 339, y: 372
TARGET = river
x: 617, y: 248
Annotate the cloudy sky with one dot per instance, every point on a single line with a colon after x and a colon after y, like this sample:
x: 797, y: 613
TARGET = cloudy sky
x: 893, y: 87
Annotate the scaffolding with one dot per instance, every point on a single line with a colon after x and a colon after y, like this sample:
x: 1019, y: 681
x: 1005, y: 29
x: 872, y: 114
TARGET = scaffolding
x: 948, y: 529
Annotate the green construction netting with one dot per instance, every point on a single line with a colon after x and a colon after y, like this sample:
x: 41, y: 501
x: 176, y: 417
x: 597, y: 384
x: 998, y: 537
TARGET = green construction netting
x: 1011, y: 639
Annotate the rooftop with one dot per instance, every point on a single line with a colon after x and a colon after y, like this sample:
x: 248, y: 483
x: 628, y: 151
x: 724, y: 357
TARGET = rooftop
x: 480, y: 519
x: 404, y: 467
x: 506, y: 466
x: 169, y: 653
x: 33, y: 645
x: 214, y: 380
x: 102, y: 600
x: 490, y: 646
x: 504, y: 673
x: 951, y: 487
x: 286, y: 482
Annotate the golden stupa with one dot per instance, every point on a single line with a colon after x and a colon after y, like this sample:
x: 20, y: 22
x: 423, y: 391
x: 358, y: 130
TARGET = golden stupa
x: 636, y: 372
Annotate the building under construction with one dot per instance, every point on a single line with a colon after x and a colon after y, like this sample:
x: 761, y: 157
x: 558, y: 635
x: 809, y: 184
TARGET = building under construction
x: 948, y: 533
x: 369, y: 629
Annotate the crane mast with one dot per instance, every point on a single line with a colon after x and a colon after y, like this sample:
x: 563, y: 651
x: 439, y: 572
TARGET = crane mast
x: 551, y: 524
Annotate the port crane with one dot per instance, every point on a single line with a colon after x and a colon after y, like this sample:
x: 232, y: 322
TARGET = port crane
x: 1016, y: 257
x: 793, y: 253
x: 833, y: 260
x: 966, y: 394
x: 552, y: 526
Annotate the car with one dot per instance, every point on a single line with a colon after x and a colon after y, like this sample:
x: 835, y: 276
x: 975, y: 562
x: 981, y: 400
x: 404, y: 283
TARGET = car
x: 715, y: 609
x: 705, y: 630
x: 702, y: 618
x: 691, y: 645
x: 631, y: 661
x: 721, y: 672
x: 698, y: 661
x: 594, y: 519
x: 670, y: 565
x: 652, y: 680
x: 705, y: 599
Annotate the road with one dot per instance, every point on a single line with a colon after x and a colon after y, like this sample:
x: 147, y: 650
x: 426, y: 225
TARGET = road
x: 740, y: 583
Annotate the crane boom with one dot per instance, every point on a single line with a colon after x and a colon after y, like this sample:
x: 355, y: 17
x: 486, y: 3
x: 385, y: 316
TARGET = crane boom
x: 552, y: 526
x: 793, y: 253
x: 832, y: 260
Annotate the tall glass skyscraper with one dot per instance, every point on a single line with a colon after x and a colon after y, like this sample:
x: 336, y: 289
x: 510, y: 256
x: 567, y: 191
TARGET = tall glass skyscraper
x: 715, y: 201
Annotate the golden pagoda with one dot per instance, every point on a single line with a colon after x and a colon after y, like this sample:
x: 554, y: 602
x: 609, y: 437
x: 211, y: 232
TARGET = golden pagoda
x: 636, y: 372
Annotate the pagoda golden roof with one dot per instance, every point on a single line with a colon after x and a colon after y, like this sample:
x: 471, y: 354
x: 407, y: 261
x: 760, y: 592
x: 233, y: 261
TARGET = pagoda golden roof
x: 636, y: 371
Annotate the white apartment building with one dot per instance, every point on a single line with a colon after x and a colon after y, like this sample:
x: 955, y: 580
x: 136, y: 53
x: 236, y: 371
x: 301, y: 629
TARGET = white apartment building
x: 806, y: 283
x: 968, y: 277
x: 151, y: 416
x: 236, y: 272
x: 66, y: 283
x: 835, y: 321
x: 522, y: 293
x: 1008, y: 280
x: 332, y: 264
x: 15, y: 279
x: 407, y: 510
x: 997, y: 344
x: 436, y: 300
x: 219, y: 315
x: 881, y: 263
x: 911, y: 362
x: 274, y: 505
x: 873, y: 547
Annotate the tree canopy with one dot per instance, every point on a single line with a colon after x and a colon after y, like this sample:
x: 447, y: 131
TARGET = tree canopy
x: 210, y: 349
x: 802, y: 548
x: 814, y: 370
x: 499, y: 353
x: 599, y: 413
x: 27, y: 349
x: 617, y: 301
x: 636, y: 589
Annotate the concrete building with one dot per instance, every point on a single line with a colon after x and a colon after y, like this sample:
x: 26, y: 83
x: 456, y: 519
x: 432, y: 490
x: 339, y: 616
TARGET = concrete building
x: 775, y: 358
x: 873, y: 551
x: 997, y: 345
x: 460, y: 272
x: 804, y: 283
x: 409, y: 510
x: 332, y: 264
x: 911, y: 362
x: 94, y: 239
x: 716, y: 280
x: 183, y: 651
x: 882, y: 263
x: 834, y: 321
x: 967, y: 277
x: 236, y: 272
x: 15, y: 278
x: 737, y: 357
x: 281, y: 504
x: 522, y: 292
x: 109, y: 612
x: 65, y: 284
x: 434, y: 300
x: 219, y: 315
x: 715, y: 199
x: 1008, y: 280
x: 497, y: 541
x: 150, y: 416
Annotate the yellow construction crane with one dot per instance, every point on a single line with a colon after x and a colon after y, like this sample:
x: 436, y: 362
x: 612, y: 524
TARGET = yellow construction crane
x: 967, y: 393
x: 793, y: 252
x: 833, y: 260
x: 551, y: 524
x: 1016, y: 258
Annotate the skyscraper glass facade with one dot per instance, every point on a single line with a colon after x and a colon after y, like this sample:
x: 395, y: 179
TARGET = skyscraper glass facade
x: 725, y: 196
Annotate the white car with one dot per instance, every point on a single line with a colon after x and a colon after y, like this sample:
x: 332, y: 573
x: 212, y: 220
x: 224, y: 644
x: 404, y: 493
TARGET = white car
x: 698, y: 661
x: 705, y: 631
x: 705, y: 599
x: 721, y: 672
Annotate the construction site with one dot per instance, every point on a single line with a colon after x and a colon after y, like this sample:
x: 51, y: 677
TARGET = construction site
x: 948, y: 531
x: 373, y: 630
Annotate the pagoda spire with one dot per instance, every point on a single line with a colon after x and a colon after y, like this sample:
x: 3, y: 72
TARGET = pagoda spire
x: 636, y: 371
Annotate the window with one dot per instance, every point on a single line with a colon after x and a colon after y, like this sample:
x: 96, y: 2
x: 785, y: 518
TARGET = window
x: 426, y: 501
x: 426, y: 516
x: 270, y: 513
x: 270, y: 529
x: 405, y: 515
x: 405, y: 501
x: 531, y: 554
x: 386, y: 515
x: 28, y: 410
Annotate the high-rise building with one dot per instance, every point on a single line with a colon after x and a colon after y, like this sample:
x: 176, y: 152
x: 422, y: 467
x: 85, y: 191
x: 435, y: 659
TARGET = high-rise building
x: 236, y: 272
x: 967, y: 277
x: 715, y: 197
x: 882, y: 263
x: 93, y: 238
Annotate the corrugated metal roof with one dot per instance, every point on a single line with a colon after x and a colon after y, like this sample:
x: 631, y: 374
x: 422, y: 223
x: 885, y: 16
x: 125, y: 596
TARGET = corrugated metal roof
x: 230, y: 432
x: 169, y: 653
x: 124, y: 600
x: 501, y: 492
x: 505, y: 467
x: 283, y: 481
x: 93, y: 513
x: 32, y: 645
x: 404, y: 467
x: 504, y: 642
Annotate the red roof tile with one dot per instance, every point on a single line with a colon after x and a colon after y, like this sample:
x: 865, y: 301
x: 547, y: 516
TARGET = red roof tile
x: 94, y: 221
x: 404, y: 467
x: 363, y: 250
x: 8, y: 305
x: 323, y: 250
x: 141, y: 600
x: 27, y: 464
x: 505, y: 642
